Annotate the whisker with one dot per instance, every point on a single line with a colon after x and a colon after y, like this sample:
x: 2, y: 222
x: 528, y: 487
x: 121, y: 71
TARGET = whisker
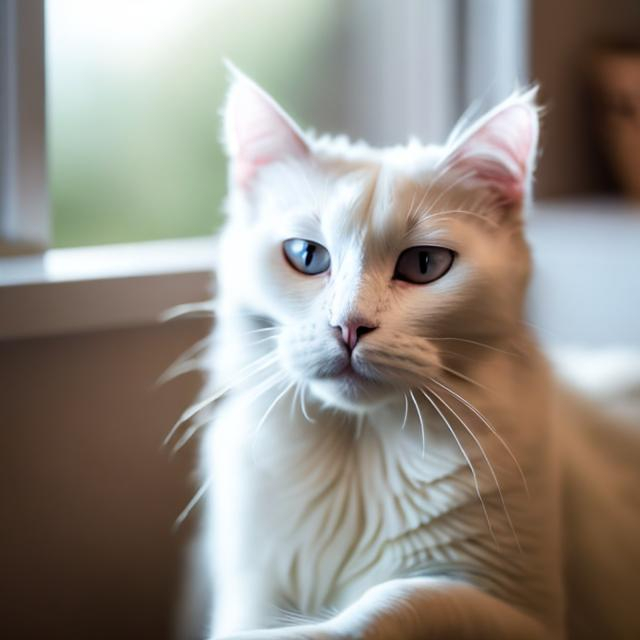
x: 414, y: 211
x: 303, y: 404
x: 413, y: 200
x: 491, y: 428
x: 192, y: 411
x: 489, y: 465
x: 242, y: 312
x: 420, y: 421
x: 452, y: 185
x: 459, y: 356
x: 425, y: 196
x: 262, y: 330
x: 296, y: 393
x: 265, y: 386
x: 466, y: 378
x: 191, y: 504
x: 469, y: 464
x: 406, y: 412
x: 189, y: 432
x: 262, y: 363
x: 262, y: 340
x: 473, y: 214
x: 193, y: 350
x: 466, y: 356
x: 271, y: 407
x: 554, y: 335
x: 479, y: 344
x: 179, y: 369
x: 206, y: 308
x: 194, y: 428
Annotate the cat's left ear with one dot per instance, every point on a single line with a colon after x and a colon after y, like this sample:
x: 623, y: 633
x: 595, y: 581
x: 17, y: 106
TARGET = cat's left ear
x: 257, y: 131
x: 498, y: 152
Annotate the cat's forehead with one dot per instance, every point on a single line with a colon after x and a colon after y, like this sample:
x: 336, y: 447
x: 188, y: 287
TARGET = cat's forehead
x: 379, y: 203
x: 371, y: 199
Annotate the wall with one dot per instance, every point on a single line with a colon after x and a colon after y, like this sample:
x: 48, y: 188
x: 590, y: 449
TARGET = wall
x: 562, y: 35
x: 88, y: 495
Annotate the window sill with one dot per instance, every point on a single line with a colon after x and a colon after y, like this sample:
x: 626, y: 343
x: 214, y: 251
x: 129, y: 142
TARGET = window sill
x: 585, y: 289
x: 94, y: 288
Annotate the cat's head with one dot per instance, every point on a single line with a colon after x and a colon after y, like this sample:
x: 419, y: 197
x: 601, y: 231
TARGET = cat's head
x: 379, y: 266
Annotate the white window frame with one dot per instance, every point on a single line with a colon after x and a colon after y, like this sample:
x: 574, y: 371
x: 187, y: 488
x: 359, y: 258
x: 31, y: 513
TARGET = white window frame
x: 496, y: 38
x: 400, y: 76
x: 394, y: 74
x: 68, y: 290
x: 24, y: 209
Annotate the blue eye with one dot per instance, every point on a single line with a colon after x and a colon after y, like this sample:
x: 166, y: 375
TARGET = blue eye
x: 421, y: 265
x: 306, y: 257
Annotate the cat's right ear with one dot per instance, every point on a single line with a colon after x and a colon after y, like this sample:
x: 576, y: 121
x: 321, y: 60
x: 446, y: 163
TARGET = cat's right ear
x: 257, y: 131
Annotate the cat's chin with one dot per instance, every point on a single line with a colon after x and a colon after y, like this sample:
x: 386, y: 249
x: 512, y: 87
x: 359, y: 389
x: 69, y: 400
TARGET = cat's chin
x: 350, y: 392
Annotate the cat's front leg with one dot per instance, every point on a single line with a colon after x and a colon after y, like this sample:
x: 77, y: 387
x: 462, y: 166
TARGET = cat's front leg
x: 418, y: 609
x: 434, y: 609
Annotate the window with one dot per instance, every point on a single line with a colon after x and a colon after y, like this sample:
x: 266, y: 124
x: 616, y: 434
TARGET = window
x: 134, y: 86
x: 134, y: 89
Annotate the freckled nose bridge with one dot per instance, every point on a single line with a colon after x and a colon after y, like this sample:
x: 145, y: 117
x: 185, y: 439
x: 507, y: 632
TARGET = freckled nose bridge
x: 352, y: 309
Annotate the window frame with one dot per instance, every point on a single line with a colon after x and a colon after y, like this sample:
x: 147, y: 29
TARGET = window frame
x: 25, y: 224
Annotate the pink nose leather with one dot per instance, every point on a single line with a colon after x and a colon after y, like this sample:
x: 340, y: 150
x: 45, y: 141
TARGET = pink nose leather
x: 351, y: 332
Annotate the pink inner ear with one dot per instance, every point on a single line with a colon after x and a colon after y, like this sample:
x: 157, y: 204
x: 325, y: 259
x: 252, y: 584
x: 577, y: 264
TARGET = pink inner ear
x: 258, y: 131
x: 499, y: 152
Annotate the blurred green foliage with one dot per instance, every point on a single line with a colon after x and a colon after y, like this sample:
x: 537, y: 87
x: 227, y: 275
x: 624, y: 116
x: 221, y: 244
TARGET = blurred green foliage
x: 133, y: 122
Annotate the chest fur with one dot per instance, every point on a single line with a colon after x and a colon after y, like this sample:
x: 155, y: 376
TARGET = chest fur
x: 342, y: 512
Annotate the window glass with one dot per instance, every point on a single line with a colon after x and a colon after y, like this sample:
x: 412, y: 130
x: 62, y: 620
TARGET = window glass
x: 133, y: 96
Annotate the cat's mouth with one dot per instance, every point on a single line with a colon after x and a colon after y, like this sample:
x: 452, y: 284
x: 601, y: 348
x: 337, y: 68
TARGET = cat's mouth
x: 351, y: 389
x: 350, y: 373
x: 353, y: 372
x: 347, y: 379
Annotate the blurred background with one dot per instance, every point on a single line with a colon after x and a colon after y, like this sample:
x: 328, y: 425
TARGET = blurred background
x: 111, y: 172
x: 134, y: 88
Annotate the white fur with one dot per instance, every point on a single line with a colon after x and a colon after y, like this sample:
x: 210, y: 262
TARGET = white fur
x: 352, y: 503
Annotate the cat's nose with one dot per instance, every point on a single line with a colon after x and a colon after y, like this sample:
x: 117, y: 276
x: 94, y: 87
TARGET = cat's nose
x: 351, y: 332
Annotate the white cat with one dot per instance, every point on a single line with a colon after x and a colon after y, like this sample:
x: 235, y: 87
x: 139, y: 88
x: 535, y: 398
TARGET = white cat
x: 391, y: 457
